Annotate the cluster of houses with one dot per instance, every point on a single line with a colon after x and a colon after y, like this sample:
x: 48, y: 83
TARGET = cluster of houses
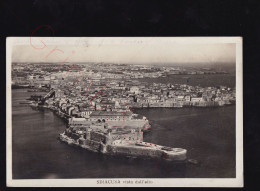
x: 80, y: 96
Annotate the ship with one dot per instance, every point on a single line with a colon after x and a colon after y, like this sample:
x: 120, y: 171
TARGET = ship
x: 125, y: 141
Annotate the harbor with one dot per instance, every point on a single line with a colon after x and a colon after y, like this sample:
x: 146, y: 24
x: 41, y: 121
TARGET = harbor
x: 94, y: 135
x: 213, y: 145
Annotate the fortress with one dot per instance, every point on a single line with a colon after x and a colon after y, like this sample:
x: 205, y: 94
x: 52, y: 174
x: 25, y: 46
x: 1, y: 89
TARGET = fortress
x: 124, y: 120
x: 126, y: 141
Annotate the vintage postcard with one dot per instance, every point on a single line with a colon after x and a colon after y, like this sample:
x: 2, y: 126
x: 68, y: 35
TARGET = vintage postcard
x: 124, y: 112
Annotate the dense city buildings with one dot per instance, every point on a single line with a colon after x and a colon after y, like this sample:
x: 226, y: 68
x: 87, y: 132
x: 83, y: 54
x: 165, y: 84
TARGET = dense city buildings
x: 113, y: 87
x: 98, y: 102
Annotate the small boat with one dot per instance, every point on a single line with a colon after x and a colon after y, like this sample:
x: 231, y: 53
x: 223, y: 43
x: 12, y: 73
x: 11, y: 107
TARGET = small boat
x: 26, y: 102
x: 34, y: 104
x: 193, y: 161
x: 32, y: 90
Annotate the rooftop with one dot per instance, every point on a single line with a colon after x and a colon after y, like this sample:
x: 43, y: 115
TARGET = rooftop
x: 110, y: 113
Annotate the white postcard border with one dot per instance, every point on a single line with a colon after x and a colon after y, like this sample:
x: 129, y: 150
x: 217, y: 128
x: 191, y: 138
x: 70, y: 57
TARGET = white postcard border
x: 156, y: 182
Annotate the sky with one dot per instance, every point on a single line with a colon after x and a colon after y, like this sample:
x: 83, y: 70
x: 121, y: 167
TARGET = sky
x: 135, y: 52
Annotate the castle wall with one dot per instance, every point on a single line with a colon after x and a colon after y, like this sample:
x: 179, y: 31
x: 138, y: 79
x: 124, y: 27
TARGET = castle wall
x: 93, y: 145
x: 129, y: 137
x: 99, y: 137
x: 134, y: 151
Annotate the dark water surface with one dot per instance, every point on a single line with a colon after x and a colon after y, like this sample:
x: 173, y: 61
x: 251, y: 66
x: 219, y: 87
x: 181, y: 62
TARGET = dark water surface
x: 207, y: 133
x: 206, y: 80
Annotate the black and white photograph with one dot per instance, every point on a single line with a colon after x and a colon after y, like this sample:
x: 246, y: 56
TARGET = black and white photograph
x: 124, y: 111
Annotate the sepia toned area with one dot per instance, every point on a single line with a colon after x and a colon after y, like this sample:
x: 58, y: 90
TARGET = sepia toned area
x: 124, y: 110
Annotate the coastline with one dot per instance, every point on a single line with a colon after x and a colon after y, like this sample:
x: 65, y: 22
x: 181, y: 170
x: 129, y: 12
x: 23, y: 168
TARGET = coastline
x: 169, y: 126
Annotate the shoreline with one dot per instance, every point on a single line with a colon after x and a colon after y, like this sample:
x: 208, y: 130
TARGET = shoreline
x: 151, y: 138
